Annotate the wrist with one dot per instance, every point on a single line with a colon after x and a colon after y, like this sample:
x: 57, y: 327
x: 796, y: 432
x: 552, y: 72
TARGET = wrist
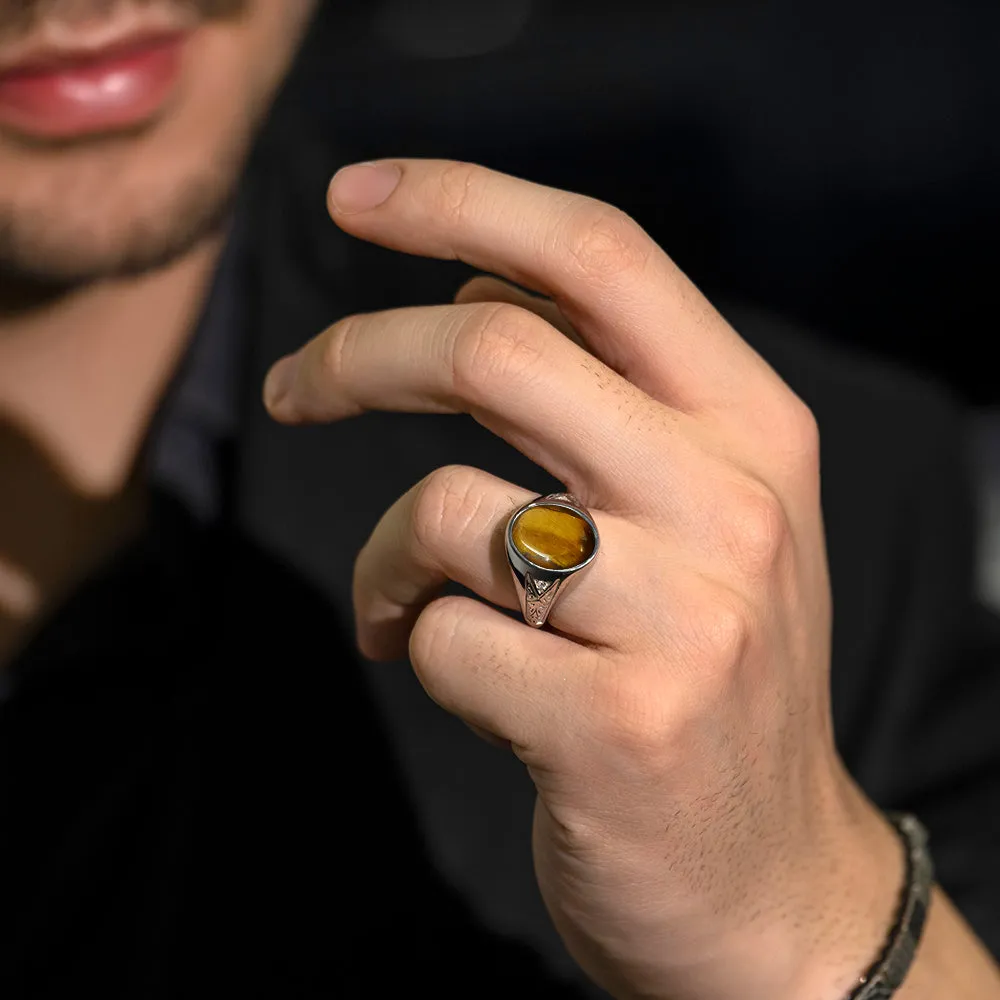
x: 856, y: 909
x: 818, y: 920
x: 823, y: 921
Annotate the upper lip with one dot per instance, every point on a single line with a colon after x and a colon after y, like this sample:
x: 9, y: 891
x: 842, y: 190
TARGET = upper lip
x: 41, y: 54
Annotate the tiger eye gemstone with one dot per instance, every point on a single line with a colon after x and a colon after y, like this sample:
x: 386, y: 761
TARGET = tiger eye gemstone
x: 553, y: 537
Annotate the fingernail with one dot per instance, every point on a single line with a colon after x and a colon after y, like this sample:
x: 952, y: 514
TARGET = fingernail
x: 362, y: 186
x: 279, y: 380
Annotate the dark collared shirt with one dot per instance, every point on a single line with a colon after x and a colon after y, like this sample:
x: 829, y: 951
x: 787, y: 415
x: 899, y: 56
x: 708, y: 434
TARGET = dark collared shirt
x: 199, y: 414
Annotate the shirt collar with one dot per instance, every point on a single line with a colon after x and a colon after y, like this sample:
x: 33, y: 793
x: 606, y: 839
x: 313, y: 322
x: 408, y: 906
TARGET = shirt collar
x: 199, y: 412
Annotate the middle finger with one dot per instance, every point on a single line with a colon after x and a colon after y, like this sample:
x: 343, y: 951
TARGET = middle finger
x: 512, y: 371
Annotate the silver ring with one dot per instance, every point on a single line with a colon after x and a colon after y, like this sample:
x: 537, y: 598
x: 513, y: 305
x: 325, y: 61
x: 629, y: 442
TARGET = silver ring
x: 546, y: 549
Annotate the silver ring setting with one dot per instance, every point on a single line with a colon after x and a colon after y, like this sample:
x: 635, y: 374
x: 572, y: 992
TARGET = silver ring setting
x: 548, y: 541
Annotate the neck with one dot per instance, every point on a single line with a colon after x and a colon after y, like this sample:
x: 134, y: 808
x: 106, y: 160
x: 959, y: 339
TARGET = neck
x: 80, y: 379
x: 81, y: 376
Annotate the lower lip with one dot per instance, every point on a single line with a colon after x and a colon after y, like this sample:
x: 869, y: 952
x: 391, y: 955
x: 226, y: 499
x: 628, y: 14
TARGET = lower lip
x: 66, y: 101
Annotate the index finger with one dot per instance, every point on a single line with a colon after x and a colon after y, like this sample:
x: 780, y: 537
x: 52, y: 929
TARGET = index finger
x: 635, y: 308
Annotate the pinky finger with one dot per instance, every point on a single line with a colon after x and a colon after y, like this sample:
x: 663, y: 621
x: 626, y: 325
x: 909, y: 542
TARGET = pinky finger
x: 498, y: 675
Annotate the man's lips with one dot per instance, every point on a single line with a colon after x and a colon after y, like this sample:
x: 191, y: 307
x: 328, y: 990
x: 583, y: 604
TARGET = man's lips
x: 67, y: 96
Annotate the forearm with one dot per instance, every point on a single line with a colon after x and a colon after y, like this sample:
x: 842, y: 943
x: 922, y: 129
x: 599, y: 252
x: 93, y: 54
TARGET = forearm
x: 950, y: 961
x: 830, y: 929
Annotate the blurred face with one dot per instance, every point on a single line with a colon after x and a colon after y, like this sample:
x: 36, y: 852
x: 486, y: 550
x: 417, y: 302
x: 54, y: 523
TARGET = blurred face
x: 124, y: 125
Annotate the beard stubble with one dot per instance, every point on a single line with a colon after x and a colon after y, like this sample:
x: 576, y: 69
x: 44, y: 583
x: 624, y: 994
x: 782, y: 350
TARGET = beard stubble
x: 53, y: 245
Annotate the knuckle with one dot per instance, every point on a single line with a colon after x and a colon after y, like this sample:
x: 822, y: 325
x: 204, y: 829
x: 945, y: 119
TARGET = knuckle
x: 446, y: 508
x: 338, y: 347
x: 432, y: 641
x: 802, y: 434
x: 629, y: 711
x: 635, y: 711
x: 496, y: 343
x: 754, y: 529
x: 604, y: 242
x: 720, y: 632
x: 455, y: 185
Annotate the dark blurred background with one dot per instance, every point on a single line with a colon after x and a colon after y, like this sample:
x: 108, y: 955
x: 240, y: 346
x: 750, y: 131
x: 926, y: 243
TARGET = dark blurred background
x: 836, y: 162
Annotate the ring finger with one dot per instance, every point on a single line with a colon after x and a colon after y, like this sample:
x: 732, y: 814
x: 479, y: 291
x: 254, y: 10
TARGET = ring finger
x: 449, y: 526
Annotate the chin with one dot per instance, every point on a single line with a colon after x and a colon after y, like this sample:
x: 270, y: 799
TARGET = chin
x: 129, y: 200
x: 117, y: 206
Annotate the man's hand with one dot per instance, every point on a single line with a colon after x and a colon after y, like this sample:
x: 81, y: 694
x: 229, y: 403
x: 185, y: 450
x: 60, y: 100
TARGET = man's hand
x: 696, y: 834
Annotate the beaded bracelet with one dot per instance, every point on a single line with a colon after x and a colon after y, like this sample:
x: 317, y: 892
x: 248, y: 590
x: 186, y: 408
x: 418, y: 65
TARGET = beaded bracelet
x: 885, y: 975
